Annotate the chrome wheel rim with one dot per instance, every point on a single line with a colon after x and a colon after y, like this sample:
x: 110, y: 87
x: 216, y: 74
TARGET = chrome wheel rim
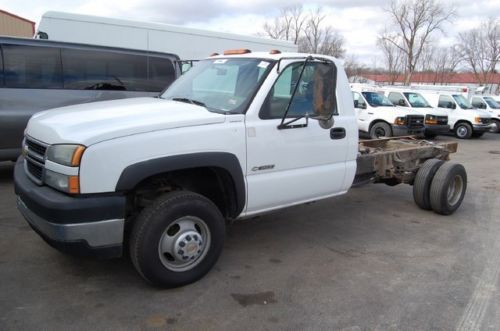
x: 184, y: 243
x: 462, y: 131
x: 455, y: 190
x: 494, y: 127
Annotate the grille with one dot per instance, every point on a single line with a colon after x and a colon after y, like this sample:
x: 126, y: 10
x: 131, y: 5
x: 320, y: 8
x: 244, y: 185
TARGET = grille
x: 415, y: 121
x: 485, y: 120
x: 35, y: 159
x: 34, y: 169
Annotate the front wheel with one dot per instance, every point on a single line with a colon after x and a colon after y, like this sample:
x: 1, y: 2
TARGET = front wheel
x: 177, y: 239
x: 495, y: 126
x: 380, y: 130
x: 463, y: 131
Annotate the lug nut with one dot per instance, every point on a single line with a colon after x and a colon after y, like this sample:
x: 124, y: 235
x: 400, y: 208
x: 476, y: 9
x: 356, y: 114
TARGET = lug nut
x: 180, y: 252
x: 182, y: 244
x: 195, y: 237
x: 188, y: 238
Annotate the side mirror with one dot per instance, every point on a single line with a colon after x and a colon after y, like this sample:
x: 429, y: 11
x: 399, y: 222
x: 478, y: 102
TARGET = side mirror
x: 356, y: 103
x: 324, y: 94
x: 362, y: 106
x: 450, y: 105
x: 401, y: 103
x: 482, y: 106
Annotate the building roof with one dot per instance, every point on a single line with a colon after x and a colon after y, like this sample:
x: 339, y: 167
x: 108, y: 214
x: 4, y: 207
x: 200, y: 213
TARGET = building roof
x: 430, y: 77
x: 18, y: 17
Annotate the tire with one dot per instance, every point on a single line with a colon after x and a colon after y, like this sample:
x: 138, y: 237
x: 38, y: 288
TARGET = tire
x: 177, y: 239
x: 448, y: 188
x: 422, y: 183
x: 380, y: 130
x: 463, y: 130
x: 496, y: 126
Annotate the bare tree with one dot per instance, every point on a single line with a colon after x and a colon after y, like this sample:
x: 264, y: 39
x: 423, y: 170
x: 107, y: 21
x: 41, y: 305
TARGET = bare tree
x: 319, y: 39
x: 414, y: 22
x: 480, y: 49
x: 288, y: 25
x: 354, y: 69
x: 393, y: 58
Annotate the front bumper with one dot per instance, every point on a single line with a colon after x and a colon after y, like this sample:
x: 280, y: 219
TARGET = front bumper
x: 437, y: 129
x: 83, y: 225
x: 481, y: 127
x: 401, y: 130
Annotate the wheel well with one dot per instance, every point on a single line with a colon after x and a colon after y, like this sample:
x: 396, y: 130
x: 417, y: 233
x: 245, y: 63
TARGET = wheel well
x: 461, y: 121
x: 214, y: 183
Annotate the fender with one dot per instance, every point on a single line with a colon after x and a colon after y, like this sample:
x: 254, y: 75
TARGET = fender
x: 136, y: 173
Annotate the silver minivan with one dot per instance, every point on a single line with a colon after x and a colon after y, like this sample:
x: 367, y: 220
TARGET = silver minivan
x: 37, y: 75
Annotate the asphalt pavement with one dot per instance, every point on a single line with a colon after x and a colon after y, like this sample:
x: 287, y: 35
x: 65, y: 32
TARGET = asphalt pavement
x: 368, y: 260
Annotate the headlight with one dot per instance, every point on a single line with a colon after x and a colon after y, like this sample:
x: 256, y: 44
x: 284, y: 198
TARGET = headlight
x: 68, y: 155
x: 65, y: 183
x: 431, y: 119
x: 400, y: 121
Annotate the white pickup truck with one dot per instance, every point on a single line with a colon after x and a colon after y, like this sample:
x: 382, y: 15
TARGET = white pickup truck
x: 380, y: 118
x: 238, y: 135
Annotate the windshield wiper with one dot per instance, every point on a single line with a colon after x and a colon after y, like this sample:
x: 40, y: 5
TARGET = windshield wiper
x: 191, y: 101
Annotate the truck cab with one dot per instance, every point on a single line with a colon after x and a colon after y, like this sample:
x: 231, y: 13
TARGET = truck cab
x: 436, y: 121
x: 239, y: 134
x: 379, y: 117
x: 464, y: 120
x: 489, y: 104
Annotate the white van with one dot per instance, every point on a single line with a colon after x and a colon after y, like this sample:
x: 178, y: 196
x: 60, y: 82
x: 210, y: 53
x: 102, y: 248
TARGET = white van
x: 379, y: 117
x: 488, y: 103
x: 465, y: 120
x: 436, y: 120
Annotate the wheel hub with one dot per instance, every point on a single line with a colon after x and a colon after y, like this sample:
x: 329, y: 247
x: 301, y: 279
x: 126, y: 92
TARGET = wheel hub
x: 462, y: 131
x: 188, y: 246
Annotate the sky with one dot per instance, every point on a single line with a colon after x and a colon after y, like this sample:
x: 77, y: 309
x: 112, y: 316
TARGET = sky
x: 359, y: 21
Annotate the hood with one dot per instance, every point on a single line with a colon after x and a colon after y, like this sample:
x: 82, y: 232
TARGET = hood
x: 482, y: 113
x: 98, y: 121
x: 472, y: 112
x: 396, y: 111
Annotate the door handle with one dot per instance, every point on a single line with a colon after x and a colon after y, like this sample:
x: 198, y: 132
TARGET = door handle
x: 337, y: 133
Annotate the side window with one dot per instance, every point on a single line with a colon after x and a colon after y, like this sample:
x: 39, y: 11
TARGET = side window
x: 359, y: 102
x: 478, y: 102
x: 32, y: 67
x: 397, y: 99
x: 161, y: 73
x: 1, y: 67
x: 303, y: 102
x: 102, y: 70
x: 444, y: 101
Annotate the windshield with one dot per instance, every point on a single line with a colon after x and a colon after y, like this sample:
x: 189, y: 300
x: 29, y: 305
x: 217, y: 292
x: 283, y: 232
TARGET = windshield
x: 220, y: 85
x: 377, y: 99
x: 462, y: 102
x: 491, y: 102
x: 416, y: 100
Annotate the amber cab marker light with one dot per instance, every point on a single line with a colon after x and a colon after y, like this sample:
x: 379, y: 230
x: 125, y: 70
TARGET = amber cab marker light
x: 74, y: 184
x: 237, y: 51
x: 275, y: 51
x: 77, y: 156
x: 214, y: 54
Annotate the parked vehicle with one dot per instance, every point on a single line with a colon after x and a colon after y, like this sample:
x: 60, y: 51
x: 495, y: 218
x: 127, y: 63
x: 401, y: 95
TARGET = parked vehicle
x: 379, y: 117
x: 188, y: 43
x: 236, y: 136
x: 464, y: 120
x: 37, y: 75
x: 436, y: 121
x: 489, y: 104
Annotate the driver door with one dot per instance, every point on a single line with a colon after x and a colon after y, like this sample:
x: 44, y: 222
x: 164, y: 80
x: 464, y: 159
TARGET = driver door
x: 290, y: 165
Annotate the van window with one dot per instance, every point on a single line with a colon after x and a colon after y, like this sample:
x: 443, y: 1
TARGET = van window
x: 95, y: 70
x: 32, y: 67
x: 445, y: 101
x: 397, y: 99
x: 478, y: 103
x: 161, y: 73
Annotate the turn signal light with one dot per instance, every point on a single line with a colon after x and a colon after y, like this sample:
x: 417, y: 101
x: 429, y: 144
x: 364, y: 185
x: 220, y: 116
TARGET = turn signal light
x: 431, y: 122
x: 237, y: 51
x: 77, y: 156
x: 477, y: 120
x: 73, y: 184
x: 275, y: 51
x: 214, y: 54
